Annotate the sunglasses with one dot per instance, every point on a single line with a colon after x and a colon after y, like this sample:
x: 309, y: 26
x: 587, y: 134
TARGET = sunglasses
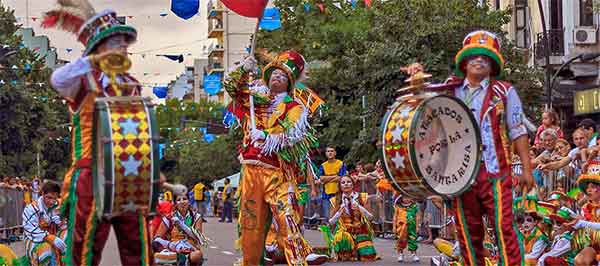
x: 479, y: 60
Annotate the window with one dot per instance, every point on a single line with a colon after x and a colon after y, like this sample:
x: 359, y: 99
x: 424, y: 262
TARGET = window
x: 522, y: 37
x: 586, y: 13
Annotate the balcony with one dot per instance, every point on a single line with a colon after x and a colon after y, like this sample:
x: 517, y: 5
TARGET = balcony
x: 216, y: 51
x: 555, y: 49
x: 215, y: 65
x: 214, y: 10
x: 215, y: 29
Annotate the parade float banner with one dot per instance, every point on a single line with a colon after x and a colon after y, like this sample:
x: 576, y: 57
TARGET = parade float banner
x: 271, y: 19
x: 212, y: 83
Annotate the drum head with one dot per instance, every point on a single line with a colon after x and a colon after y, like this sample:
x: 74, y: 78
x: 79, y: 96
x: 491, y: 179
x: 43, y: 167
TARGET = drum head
x: 431, y: 145
x: 445, y: 145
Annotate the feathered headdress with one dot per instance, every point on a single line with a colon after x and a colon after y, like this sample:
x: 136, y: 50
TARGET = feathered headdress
x: 69, y: 16
x: 91, y: 28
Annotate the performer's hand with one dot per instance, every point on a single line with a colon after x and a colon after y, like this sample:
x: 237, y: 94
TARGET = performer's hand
x: 412, y: 68
x: 249, y: 64
x: 526, y: 181
x: 256, y: 135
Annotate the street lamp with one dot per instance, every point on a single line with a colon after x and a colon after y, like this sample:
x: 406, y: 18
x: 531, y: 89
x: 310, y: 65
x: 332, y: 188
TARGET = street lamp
x: 583, y: 57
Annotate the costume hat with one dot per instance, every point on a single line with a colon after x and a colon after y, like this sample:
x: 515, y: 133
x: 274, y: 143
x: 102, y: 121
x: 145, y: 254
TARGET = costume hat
x: 291, y: 62
x: 80, y: 18
x: 480, y: 42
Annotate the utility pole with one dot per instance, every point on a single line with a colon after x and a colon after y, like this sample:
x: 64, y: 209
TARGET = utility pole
x: 547, y: 57
x: 27, y: 13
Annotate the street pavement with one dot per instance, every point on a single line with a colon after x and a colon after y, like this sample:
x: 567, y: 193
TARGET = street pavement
x: 221, y: 251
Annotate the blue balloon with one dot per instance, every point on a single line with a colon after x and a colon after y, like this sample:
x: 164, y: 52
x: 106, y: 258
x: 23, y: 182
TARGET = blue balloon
x: 160, y: 92
x: 185, y: 9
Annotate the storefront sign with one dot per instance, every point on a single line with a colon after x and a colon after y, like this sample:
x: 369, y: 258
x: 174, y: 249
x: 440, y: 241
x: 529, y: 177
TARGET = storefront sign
x: 587, y: 101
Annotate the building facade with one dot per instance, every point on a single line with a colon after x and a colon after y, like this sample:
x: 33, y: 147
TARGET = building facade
x: 233, y: 34
x: 572, y: 31
x: 41, y: 46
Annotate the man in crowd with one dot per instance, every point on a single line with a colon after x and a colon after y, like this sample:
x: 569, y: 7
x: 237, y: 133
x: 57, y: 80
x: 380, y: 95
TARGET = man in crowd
x: 574, y: 159
x: 43, y: 228
x: 227, y: 198
x: 331, y: 172
x: 589, y: 128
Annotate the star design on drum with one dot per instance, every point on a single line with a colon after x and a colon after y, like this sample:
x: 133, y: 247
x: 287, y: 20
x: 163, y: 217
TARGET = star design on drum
x: 131, y: 166
x: 129, y: 126
x: 129, y: 207
x: 405, y: 112
x: 397, y: 134
x: 398, y: 160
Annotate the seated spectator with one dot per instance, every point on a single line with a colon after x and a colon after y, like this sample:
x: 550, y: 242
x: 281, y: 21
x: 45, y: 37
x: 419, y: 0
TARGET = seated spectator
x: 43, y: 228
x: 549, y: 120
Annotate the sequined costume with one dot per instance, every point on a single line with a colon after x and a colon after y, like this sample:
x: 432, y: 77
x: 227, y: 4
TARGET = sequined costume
x: 352, y: 234
x: 270, y: 165
x: 41, y: 225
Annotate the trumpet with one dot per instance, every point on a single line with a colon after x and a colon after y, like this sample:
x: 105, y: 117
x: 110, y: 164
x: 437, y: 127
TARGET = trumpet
x: 115, y: 64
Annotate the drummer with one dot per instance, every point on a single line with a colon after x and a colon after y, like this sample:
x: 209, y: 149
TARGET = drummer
x: 499, y: 113
x: 80, y: 82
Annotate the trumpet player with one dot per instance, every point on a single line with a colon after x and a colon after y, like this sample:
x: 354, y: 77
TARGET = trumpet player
x: 81, y: 82
x: 180, y: 234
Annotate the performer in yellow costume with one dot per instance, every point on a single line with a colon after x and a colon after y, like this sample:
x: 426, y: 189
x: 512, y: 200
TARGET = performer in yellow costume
x: 277, y: 140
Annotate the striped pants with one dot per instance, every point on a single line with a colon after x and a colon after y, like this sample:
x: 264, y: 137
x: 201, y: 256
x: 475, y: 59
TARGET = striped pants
x: 87, y: 234
x: 491, y: 197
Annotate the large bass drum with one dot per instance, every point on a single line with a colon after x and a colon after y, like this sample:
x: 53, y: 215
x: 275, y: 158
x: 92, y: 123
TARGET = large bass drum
x: 126, y: 174
x: 431, y: 146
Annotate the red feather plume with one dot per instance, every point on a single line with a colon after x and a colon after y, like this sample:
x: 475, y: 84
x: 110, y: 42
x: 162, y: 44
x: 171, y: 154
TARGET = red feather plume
x: 63, y: 20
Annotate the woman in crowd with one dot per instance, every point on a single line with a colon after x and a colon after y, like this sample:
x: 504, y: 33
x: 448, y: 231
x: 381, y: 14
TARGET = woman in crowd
x: 179, y: 235
x: 353, y: 236
x: 550, y: 119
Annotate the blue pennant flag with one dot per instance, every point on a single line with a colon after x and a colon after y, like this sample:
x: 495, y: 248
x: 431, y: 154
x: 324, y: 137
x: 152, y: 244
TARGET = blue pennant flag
x: 185, y: 9
x: 160, y: 92
x: 271, y: 19
x: 161, y: 151
x: 212, y: 83
x: 209, y: 138
x: 354, y: 3
x: 178, y: 58
x: 306, y: 7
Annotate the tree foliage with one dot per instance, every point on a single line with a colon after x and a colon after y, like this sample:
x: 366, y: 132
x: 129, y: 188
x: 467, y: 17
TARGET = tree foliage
x: 358, y: 52
x: 194, y: 158
x: 31, y: 113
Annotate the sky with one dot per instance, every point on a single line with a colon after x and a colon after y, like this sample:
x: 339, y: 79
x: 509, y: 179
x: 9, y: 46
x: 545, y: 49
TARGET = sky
x: 156, y: 34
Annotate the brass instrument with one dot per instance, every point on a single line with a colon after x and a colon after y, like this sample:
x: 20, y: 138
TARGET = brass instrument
x: 115, y: 64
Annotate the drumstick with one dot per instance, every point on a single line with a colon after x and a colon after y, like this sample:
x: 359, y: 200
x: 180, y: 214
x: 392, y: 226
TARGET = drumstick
x: 252, y: 120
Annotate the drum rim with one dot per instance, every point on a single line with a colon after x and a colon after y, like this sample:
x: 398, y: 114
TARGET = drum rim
x: 471, y: 117
x: 389, y: 175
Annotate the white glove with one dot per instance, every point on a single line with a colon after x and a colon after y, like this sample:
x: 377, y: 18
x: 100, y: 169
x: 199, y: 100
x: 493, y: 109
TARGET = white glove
x: 257, y: 135
x: 59, y: 244
x: 249, y: 64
